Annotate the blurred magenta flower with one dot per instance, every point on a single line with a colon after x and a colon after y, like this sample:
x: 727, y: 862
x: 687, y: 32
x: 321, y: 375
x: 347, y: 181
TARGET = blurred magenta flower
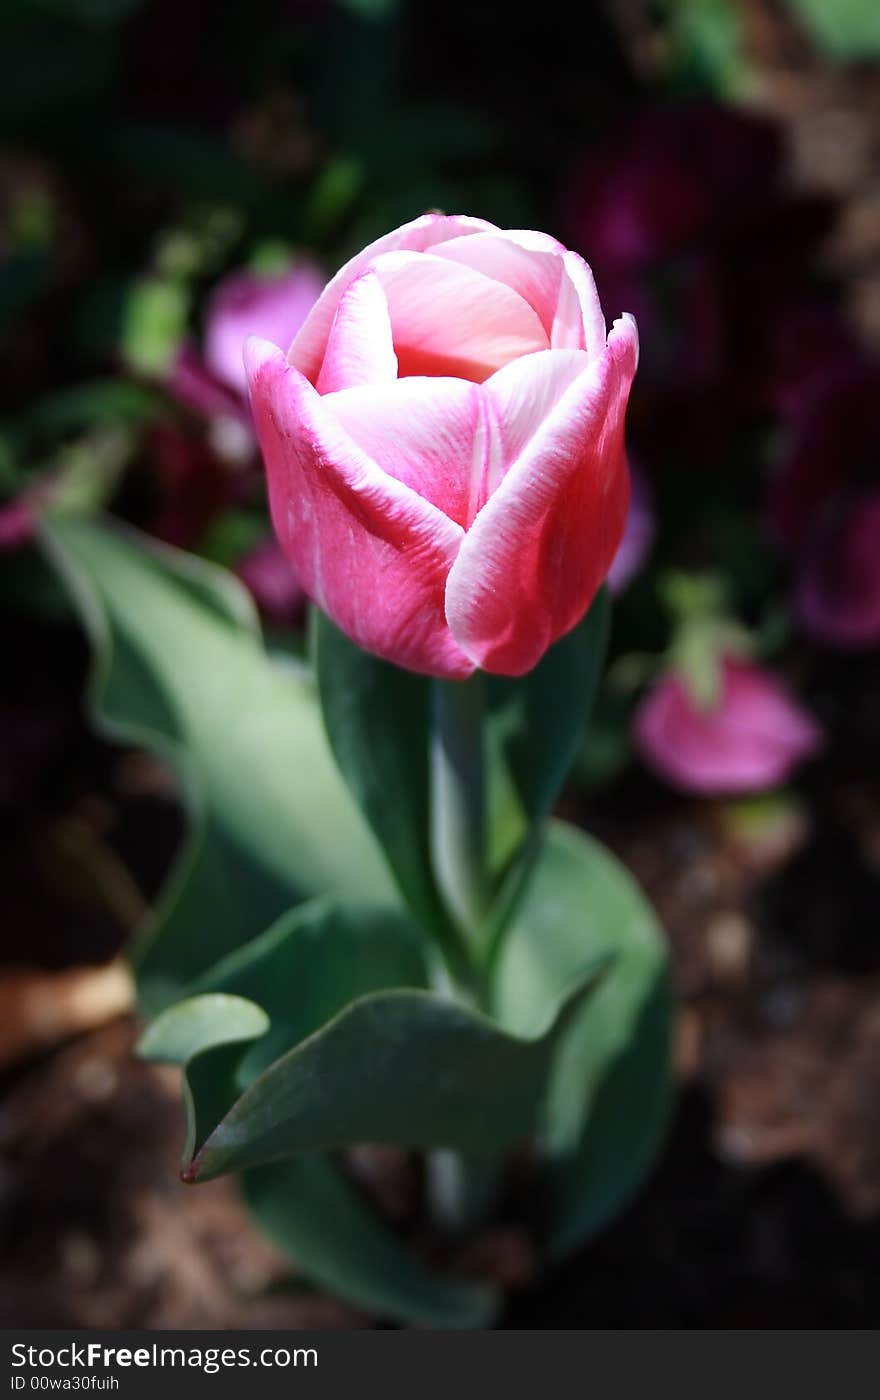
x: 17, y: 524
x: 212, y: 381
x: 638, y: 534
x: 444, y: 445
x: 751, y: 739
x: 837, y: 585
x: 273, y: 582
x: 249, y: 303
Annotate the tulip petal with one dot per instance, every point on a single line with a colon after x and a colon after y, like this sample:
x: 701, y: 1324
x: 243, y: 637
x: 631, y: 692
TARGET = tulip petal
x: 359, y: 347
x: 449, y: 320
x: 307, y: 350
x: 579, y: 323
x: 530, y: 263
x: 427, y: 433
x: 539, y: 549
x: 370, y: 552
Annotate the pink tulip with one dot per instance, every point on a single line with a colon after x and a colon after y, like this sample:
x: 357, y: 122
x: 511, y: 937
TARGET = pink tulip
x: 444, y: 445
x: 751, y: 740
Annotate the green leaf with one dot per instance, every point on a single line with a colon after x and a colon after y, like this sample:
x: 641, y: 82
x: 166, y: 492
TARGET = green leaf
x: 404, y: 1067
x: 155, y: 322
x: 845, y: 29
x: 314, y: 1216
x: 180, y: 669
x: 313, y: 961
x: 610, y: 1088
x: 378, y: 722
x: 198, y: 1024
x: 538, y: 720
x: 97, y: 403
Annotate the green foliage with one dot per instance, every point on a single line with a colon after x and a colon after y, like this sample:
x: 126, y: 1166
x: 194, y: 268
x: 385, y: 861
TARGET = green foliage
x: 377, y: 719
x: 402, y: 1067
x: 310, y: 1212
x: 180, y: 668
x: 291, y: 985
x: 847, y: 30
x: 608, y: 1099
x: 199, y: 1023
x: 311, y: 963
x: 539, y: 721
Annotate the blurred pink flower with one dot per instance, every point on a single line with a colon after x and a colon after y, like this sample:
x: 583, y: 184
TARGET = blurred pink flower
x: 248, y: 303
x: 17, y: 522
x: 750, y: 740
x: 273, y: 582
x: 638, y: 534
x: 211, y: 382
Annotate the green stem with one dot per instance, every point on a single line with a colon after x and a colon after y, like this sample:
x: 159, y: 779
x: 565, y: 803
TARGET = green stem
x: 461, y: 1189
x: 458, y: 801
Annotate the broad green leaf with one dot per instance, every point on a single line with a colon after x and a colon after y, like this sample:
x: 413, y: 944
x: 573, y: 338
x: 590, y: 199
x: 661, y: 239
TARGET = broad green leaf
x: 310, y: 964
x: 199, y: 1024
x: 845, y: 29
x: 318, y: 1220
x: 538, y: 720
x: 180, y: 669
x: 378, y: 722
x: 404, y: 1067
x: 610, y: 1089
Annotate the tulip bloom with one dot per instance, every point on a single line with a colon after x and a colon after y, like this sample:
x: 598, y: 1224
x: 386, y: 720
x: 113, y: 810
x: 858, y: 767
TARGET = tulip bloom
x: 750, y: 740
x: 444, y: 445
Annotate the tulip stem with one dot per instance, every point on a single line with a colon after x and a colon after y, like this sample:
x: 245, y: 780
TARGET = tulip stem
x: 461, y: 1188
x: 458, y: 802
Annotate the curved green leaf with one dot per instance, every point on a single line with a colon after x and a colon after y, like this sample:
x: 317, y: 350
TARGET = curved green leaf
x: 180, y: 668
x: 378, y: 722
x: 404, y: 1067
x: 314, y: 1216
x: 610, y: 1088
x: 201, y: 1023
x: 311, y: 963
x: 539, y: 719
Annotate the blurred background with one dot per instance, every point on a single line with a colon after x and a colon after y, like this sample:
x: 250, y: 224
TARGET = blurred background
x: 174, y: 174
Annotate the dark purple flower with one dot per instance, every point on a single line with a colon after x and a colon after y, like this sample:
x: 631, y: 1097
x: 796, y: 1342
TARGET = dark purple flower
x: 837, y: 584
